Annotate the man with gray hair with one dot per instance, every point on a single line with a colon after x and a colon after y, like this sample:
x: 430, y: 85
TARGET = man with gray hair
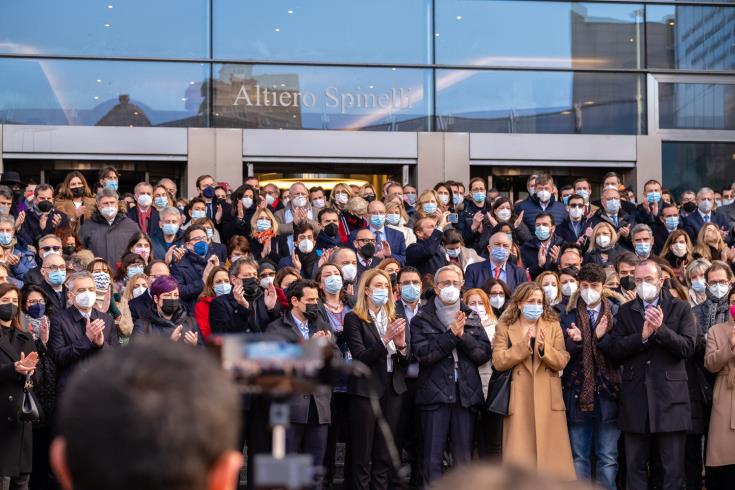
x: 168, y: 234
x: 79, y: 331
x: 170, y: 187
x: 144, y: 214
x: 498, y: 266
x: 296, y: 212
x: 642, y: 236
x: 107, y: 233
x: 695, y: 220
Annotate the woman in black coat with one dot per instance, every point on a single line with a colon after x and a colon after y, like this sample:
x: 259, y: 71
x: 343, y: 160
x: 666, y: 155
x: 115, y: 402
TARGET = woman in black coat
x: 377, y: 339
x: 18, y: 358
x: 168, y: 315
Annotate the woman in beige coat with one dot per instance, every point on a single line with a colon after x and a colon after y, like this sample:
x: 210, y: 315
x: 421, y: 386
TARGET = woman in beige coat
x: 719, y: 358
x: 529, y: 340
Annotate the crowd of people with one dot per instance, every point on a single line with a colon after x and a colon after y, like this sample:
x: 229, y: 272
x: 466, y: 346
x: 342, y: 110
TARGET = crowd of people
x: 606, y: 324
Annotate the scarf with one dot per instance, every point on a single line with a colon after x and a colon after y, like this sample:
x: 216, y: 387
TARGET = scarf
x: 446, y: 315
x: 593, y: 360
x: 263, y: 236
x: 716, y: 310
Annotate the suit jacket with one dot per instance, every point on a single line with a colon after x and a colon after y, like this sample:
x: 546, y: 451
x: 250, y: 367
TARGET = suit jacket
x: 57, y: 301
x: 694, y: 222
x: 285, y: 327
x: 226, y: 315
x: 395, y: 239
x: 529, y: 255
x: 654, y: 394
x: 30, y: 231
x: 624, y: 219
x: 427, y: 255
x: 366, y: 346
x: 728, y: 212
x: 478, y: 273
x: 69, y: 345
x: 140, y: 307
x: 566, y: 232
x: 153, y: 220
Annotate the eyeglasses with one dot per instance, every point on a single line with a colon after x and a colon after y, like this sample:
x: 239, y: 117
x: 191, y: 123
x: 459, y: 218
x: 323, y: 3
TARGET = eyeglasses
x: 55, y: 268
x: 366, y: 240
x: 720, y: 283
x: 195, y: 239
x: 268, y: 274
x: 446, y: 284
x: 55, y: 248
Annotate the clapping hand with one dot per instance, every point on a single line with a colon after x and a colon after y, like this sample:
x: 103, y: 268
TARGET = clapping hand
x: 27, y: 364
x: 43, y: 332
x: 601, y: 328
x: 237, y: 293
x: 574, y: 333
x: 541, y: 339
x: 176, y: 334
x: 458, y: 324
x: 270, y: 296
x: 191, y: 338
x: 95, y: 331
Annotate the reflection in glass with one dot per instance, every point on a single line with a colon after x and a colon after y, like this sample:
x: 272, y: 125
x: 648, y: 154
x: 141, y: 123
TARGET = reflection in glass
x: 380, y: 31
x: 102, y: 93
x: 539, y: 102
x: 693, y: 165
x: 306, y: 97
x: 91, y: 27
x: 696, y: 106
x: 543, y: 34
x: 691, y: 37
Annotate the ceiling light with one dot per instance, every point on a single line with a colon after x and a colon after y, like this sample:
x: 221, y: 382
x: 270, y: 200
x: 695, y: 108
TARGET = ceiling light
x: 459, y: 17
x: 290, y: 12
x: 96, y: 97
x: 99, y: 81
x: 109, y: 6
x: 183, y: 99
x: 436, y: 35
x: 107, y: 25
x: 278, y: 29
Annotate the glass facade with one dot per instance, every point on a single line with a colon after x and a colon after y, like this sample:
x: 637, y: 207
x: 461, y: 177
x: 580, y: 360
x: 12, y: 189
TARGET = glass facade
x: 509, y: 66
x: 689, y: 166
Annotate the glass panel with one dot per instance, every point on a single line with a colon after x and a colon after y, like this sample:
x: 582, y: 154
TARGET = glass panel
x: 311, y: 97
x: 102, y: 93
x: 689, y: 166
x: 93, y: 27
x: 544, y: 34
x: 539, y: 102
x: 380, y: 31
x: 696, y: 106
x: 691, y: 37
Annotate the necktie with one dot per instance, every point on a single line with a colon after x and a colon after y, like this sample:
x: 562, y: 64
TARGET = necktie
x: 615, y: 220
x: 593, y: 316
x: 706, y: 219
x: 497, y: 272
x: 378, y: 240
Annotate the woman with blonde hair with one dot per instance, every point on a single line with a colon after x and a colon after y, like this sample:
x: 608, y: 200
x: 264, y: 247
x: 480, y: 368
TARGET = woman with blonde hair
x: 397, y: 219
x: 265, y: 242
x: 604, y: 248
x: 427, y: 206
x: 696, y: 281
x: 376, y: 338
x: 529, y: 341
x: 710, y: 244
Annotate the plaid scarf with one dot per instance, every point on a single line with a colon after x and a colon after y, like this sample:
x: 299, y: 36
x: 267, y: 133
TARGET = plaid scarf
x: 594, y: 361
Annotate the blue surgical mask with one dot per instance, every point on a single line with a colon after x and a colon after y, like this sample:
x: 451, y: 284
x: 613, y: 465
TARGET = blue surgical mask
x: 133, y: 270
x: 653, y: 197
x: 584, y: 194
x: 411, y: 292
x: 200, y: 248
x: 160, y: 202
x: 393, y: 219
x: 500, y: 254
x: 671, y: 222
x: 479, y: 197
x: 111, y: 184
x: 170, y: 228
x: 6, y: 238
x: 222, y: 288
x: 543, y: 233
x: 533, y: 312
x: 429, y: 207
x: 642, y: 249
x: 699, y: 285
x: 198, y: 214
x: 377, y: 220
x: 379, y: 297
x: 57, y: 278
x: 612, y: 206
x: 333, y: 284
x: 453, y: 252
x: 263, y: 225
x: 565, y: 200
x: 456, y: 199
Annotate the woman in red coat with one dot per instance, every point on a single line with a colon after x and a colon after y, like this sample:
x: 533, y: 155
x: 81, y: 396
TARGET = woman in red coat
x: 218, y: 283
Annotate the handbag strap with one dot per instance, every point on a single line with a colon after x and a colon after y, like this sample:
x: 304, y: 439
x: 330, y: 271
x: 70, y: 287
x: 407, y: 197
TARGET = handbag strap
x: 29, y: 382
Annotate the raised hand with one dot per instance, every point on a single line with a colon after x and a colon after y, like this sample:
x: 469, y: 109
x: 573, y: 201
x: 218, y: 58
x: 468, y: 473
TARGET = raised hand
x: 237, y: 293
x: 176, y: 334
x: 270, y: 296
x: 56, y: 219
x: 458, y: 324
x: 601, y: 328
x: 555, y: 253
x: 624, y: 231
x: 574, y: 333
x: 296, y: 261
x: 518, y: 220
x: 191, y: 338
x: 43, y: 332
x: 399, y: 326
x: 19, y: 220
x: 541, y: 338
x: 542, y: 256
x: 218, y: 214
x: 27, y: 364
x: 12, y: 259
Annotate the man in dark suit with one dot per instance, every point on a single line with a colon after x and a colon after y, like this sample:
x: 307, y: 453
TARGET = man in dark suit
x: 728, y: 210
x: 497, y: 266
x: 310, y: 415
x: 53, y: 270
x: 388, y: 242
x: 573, y: 228
x: 80, y: 331
x: 364, y: 244
x: 42, y: 218
x: 541, y: 253
x: 144, y: 214
x: 652, y: 337
x: 140, y: 307
x: 218, y: 211
x: 449, y: 342
x: 427, y: 254
x: 611, y: 212
x: 667, y: 221
x: 694, y: 221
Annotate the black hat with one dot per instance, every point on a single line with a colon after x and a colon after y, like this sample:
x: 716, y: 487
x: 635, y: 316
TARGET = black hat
x: 11, y: 178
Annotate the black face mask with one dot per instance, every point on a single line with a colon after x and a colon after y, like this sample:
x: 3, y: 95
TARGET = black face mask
x: 68, y: 249
x: 369, y: 198
x: 368, y: 250
x: 170, y: 306
x: 627, y: 283
x: 250, y: 287
x: 312, y: 312
x: 689, y: 207
x: 331, y: 230
x: 45, y: 206
x: 9, y: 310
x: 77, y: 191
